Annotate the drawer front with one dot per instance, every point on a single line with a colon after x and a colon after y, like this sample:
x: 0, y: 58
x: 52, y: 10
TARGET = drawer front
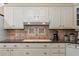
x: 54, y: 52
x: 37, y: 45
x: 32, y: 45
x: 8, y: 45
x: 61, y: 54
x: 62, y: 46
x: 57, y: 52
x: 4, y: 52
x: 43, y: 45
x: 30, y: 52
x: 62, y: 51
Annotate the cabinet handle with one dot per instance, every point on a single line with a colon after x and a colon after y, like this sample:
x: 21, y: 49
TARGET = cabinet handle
x: 15, y: 46
x: 27, y: 45
x: 27, y: 53
x: 45, y: 45
x: 11, y: 49
x: 45, y: 53
x: 8, y: 50
x: 4, y: 46
x: 58, y: 46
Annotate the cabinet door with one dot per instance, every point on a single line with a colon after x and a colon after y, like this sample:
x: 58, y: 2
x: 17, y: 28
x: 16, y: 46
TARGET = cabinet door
x: 72, y: 51
x: 54, y: 16
x: 18, y: 17
x: 35, y: 14
x: 4, y: 52
x: 8, y: 18
x: 67, y: 18
x: 43, y: 14
x: 29, y: 14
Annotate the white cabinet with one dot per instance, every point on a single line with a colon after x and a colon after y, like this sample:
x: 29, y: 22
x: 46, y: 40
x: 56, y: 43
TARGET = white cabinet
x: 67, y: 18
x: 43, y: 14
x: 8, y: 17
x: 29, y: 14
x: 61, y: 18
x: 30, y: 52
x: 32, y: 49
x: 4, y: 52
x: 54, y: 17
x: 76, y: 17
x: 18, y: 17
x: 72, y: 51
x: 35, y: 14
x: 13, y: 18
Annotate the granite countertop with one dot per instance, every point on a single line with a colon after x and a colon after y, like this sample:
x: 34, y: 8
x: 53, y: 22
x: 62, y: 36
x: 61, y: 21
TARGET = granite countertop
x: 27, y: 41
x: 31, y: 42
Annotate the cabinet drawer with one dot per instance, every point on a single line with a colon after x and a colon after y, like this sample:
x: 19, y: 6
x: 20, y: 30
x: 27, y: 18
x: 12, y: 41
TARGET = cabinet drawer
x: 54, y: 52
x: 43, y: 45
x: 62, y: 45
x: 61, y: 51
x: 30, y: 52
x: 33, y: 45
x: 38, y: 52
x: 61, y: 54
x: 4, y: 52
x: 57, y: 52
x: 37, y: 45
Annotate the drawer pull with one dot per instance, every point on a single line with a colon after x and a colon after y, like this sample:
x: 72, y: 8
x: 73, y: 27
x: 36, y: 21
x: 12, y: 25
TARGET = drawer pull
x: 4, y: 46
x: 11, y: 50
x: 27, y: 53
x: 27, y: 45
x: 45, y: 45
x: 15, y: 46
x: 45, y: 53
x: 58, y: 46
x: 7, y: 50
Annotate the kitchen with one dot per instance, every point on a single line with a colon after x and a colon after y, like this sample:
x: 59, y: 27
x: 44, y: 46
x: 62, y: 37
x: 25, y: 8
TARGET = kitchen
x: 40, y: 29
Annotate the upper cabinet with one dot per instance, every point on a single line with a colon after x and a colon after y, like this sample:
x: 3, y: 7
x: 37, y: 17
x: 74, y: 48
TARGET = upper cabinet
x: 76, y: 17
x: 8, y: 17
x: 54, y: 17
x: 35, y: 14
x: 13, y: 18
x: 18, y: 18
x: 58, y: 17
x: 62, y: 18
x: 67, y: 17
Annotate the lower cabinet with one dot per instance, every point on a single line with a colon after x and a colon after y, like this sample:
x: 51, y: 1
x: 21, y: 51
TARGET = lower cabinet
x: 32, y: 50
x: 4, y: 52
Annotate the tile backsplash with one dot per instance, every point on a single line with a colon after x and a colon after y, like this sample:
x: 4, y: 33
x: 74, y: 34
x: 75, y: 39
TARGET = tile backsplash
x: 36, y: 32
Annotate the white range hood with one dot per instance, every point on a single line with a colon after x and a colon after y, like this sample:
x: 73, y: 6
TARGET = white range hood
x: 36, y: 23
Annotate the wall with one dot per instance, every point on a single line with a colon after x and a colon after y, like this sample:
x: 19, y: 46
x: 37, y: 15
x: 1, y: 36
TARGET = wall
x: 19, y: 35
x: 3, y: 34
